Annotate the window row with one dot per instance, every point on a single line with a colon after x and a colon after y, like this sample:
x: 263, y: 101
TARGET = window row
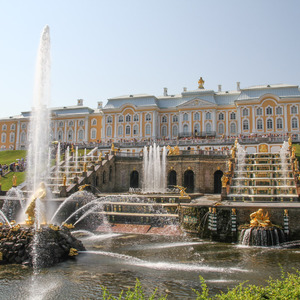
x: 269, y: 111
x: 270, y: 124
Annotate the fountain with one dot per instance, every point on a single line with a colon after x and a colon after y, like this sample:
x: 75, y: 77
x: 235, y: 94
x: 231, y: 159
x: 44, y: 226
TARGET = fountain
x: 262, y: 176
x: 38, y: 243
x: 154, y: 169
x: 261, y: 232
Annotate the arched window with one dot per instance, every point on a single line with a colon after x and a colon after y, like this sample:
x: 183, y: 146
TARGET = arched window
x: 259, y: 124
x: 232, y: 116
x: 185, y: 117
x: 148, y: 117
x: 60, y: 135
x: 108, y: 131
x: 245, y: 112
x: 197, y: 129
x: 104, y: 177
x: 3, y: 138
x: 127, y: 130
x: 259, y: 111
x: 136, y: 118
x: 128, y: 118
x: 120, y: 130
x: 93, y: 133
x: 71, y: 123
x: 61, y: 124
x: 121, y: 119
x: 269, y: 124
x: 294, y: 109
x: 23, y: 137
x: 232, y: 128
x: 175, y: 131
x: 81, y: 123
x: 110, y: 173
x: 221, y: 116
x: 135, y: 129
x: 164, y: 119
x: 70, y: 135
x: 109, y: 119
x: 294, y: 123
x: 164, y: 131
x: 12, y: 127
x: 94, y: 122
x: 148, y: 129
x: 197, y: 116
x: 175, y: 118
x: 221, y: 128
x: 80, y: 134
x: 12, y: 137
x: 185, y: 129
x: 4, y: 127
x: 279, y: 110
x: 208, y: 128
x: 279, y: 124
x: 245, y: 125
x: 208, y: 116
x: 269, y: 110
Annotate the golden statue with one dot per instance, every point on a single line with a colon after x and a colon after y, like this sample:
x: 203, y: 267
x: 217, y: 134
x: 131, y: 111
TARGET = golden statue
x: 69, y: 226
x: 258, y: 219
x: 84, y: 167
x: 233, y: 211
x: 64, y: 180
x: 236, y: 142
x: 112, y: 148
x: 286, y: 212
x: 14, y: 180
x: 290, y: 141
x: 229, y: 165
x: 40, y: 193
x: 233, y: 151
x: 176, y: 150
x: 173, y: 151
x: 54, y: 227
x: 183, y: 194
x: 296, y: 165
x: 200, y: 83
x: 293, y: 152
x: 224, y: 180
x: 73, y: 252
x: 81, y: 187
x: 100, y: 156
x: 263, y: 148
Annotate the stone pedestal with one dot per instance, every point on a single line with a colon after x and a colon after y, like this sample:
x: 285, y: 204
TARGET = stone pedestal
x: 63, y: 191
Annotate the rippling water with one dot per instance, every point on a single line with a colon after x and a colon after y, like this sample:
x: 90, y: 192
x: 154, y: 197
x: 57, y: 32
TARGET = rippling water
x: 171, y: 264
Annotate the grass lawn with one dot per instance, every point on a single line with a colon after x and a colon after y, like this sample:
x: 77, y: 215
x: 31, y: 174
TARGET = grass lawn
x: 6, y: 181
x: 297, y: 151
x: 10, y: 156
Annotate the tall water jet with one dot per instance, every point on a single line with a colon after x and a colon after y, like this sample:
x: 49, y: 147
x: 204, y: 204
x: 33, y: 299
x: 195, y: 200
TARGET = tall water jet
x: 39, y: 128
x: 154, y: 169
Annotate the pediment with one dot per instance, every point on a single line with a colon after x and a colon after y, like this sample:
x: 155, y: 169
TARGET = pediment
x: 196, y: 103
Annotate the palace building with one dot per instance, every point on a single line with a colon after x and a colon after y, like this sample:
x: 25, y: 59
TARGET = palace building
x: 257, y: 110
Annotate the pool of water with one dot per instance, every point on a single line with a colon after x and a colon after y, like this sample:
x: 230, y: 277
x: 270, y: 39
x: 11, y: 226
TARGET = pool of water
x: 171, y: 264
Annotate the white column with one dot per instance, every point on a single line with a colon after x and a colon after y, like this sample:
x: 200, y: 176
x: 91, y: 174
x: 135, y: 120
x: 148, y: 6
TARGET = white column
x: 286, y: 129
x: 253, y: 119
x: 66, y: 133
x: 239, y: 121
x: 76, y: 135
x: 18, y: 135
x: 227, y: 116
x: 141, y: 124
x: 169, y: 127
x: 180, y: 122
x: 154, y: 121
x: 214, y: 120
x: 203, y: 122
x: 103, y: 132
x: 86, y: 129
x: 115, y: 126
x: 55, y: 130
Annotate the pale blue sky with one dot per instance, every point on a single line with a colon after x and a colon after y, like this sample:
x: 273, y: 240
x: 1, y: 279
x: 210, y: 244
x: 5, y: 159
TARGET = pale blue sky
x: 102, y: 49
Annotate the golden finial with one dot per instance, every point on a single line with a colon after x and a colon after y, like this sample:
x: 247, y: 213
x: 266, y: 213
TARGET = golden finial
x: 200, y: 83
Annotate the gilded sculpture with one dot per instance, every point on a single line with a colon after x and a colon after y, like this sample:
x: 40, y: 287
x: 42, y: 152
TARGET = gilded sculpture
x: 259, y: 219
x: 201, y: 83
x: 224, y: 180
x: 183, y: 194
